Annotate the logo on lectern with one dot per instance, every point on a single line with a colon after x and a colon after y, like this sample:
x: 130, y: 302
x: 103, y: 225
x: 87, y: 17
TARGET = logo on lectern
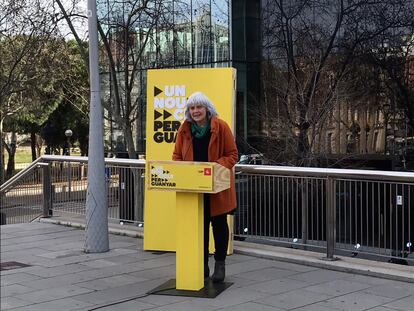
x: 161, y: 177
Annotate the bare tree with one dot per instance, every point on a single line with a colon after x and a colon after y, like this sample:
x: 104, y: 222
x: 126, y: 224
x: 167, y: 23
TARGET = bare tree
x: 126, y: 29
x: 309, y: 48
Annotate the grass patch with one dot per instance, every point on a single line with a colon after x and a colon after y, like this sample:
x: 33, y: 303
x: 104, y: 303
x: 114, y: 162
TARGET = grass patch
x: 23, y: 155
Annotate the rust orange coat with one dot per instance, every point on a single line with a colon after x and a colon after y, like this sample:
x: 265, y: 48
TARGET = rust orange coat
x: 222, y: 149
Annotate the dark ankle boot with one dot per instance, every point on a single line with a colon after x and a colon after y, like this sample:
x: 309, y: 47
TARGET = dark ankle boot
x: 206, y: 270
x: 219, y: 272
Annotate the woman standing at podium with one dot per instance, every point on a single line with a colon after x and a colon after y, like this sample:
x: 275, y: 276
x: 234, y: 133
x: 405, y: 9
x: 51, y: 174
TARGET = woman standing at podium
x: 204, y: 137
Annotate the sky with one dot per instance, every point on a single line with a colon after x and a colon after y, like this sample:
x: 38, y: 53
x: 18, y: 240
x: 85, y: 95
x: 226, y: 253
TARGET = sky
x: 80, y: 24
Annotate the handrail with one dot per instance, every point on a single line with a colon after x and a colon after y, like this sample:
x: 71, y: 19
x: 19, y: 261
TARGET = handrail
x: 6, y: 185
x: 243, y: 168
x: 327, y: 172
x: 81, y: 159
x: 78, y: 159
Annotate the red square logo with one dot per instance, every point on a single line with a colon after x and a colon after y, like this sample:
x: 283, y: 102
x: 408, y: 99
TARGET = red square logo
x: 207, y: 171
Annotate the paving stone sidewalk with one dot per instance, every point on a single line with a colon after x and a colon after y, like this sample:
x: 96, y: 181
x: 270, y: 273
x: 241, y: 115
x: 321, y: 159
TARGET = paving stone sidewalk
x: 62, y: 277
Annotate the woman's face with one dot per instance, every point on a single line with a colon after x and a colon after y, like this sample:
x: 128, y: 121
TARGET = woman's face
x: 199, y: 114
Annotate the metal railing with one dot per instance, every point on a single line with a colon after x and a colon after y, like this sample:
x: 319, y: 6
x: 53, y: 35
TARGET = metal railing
x: 355, y: 212
x: 57, y: 185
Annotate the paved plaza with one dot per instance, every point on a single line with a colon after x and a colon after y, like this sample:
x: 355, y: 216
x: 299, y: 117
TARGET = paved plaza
x: 60, y: 276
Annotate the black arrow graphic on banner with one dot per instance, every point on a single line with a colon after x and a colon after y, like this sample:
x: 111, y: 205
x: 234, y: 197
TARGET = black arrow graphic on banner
x: 157, y: 114
x: 157, y: 91
x: 167, y: 114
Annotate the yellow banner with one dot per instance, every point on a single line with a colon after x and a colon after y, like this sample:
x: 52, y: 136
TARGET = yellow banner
x: 167, y: 93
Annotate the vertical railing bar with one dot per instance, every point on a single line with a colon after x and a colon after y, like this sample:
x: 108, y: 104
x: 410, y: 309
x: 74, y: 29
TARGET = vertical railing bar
x: 391, y: 209
x: 250, y: 183
x: 319, y: 206
x: 384, y: 219
x: 310, y: 211
x: 330, y: 218
x: 409, y: 207
x: 283, y: 207
x: 255, y: 205
x: 397, y: 215
x: 380, y: 220
x: 270, y: 203
x: 372, y: 214
x: 339, y: 224
x: 366, y: 209
x: 261, y: 203
x: 275, y: 216
x: 402, y: 218
x: 47, y: 193
x: 289, y: 210
x: 361, y: 228
x: 345, y: 211
x: 278, y: 207
x: 355, y: 183
x: 304, y: 200
x: 297, y: 207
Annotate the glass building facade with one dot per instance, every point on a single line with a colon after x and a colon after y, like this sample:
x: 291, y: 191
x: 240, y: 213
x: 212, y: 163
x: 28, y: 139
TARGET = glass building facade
x: 175, y: 34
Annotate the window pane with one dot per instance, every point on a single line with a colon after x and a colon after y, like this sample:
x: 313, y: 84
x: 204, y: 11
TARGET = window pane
x: 202, y: 31
x: 220, y: 29
x: 182, y: 32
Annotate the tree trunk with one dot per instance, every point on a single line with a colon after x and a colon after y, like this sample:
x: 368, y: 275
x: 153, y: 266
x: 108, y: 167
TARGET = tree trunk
x: 130, y: 143
x: 12, y: 152
x: 1, y: 151
x: 39, y: 144
x: 303, y: 147
x: 33, y: 145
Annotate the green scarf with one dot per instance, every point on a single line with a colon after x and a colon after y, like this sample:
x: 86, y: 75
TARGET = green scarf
x: 200, y: 131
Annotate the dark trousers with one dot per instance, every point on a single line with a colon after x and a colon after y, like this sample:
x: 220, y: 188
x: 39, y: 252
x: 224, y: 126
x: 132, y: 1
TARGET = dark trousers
x: 220, y: 232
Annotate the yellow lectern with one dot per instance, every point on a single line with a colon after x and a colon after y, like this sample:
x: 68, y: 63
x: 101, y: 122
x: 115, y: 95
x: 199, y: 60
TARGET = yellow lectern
x: 189, y: 180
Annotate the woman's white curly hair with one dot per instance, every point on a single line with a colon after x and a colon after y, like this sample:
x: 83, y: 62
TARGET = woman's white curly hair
x: 201, y: 99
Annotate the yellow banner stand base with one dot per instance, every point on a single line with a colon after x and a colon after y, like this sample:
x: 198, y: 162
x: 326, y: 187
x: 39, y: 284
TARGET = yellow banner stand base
x: 210, y: 289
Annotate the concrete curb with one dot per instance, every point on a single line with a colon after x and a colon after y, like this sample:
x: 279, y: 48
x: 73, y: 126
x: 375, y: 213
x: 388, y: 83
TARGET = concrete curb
x: 343, y: 264
x: 137, y: 233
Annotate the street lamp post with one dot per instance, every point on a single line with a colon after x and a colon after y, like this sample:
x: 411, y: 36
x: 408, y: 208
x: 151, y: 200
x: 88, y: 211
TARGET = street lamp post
x: 97, y: 238
x: 68, y: 134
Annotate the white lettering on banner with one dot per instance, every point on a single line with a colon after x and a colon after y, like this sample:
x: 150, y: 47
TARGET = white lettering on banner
x: 179, y: 114
x: 180, y: 90
x: 174, y: 90
x: 158, y: 103
x: 170, y: 102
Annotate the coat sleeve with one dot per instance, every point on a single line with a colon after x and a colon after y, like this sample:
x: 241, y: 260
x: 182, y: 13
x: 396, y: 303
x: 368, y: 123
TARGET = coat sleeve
x: 178, y: 147
x: 230, y: 154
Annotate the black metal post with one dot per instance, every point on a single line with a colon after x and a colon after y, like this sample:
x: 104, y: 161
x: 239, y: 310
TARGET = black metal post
x: 330, y: 219
x: 47, y: 191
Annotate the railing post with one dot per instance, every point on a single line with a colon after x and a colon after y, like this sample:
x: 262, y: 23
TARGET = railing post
x: 47, y: 191
x: 304, y: 186
x: 330, y: 218
x: 69, y: 180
